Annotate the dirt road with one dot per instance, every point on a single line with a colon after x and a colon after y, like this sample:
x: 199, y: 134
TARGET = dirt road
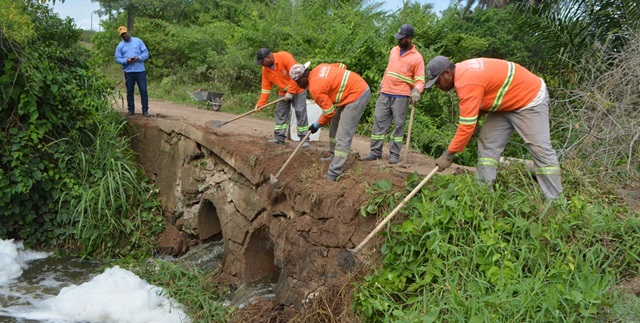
x: 262, y: 129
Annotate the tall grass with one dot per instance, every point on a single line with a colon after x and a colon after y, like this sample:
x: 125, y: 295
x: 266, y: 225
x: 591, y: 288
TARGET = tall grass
x: 110, y: 204
x: 599, y: 120
x: 468, y: 253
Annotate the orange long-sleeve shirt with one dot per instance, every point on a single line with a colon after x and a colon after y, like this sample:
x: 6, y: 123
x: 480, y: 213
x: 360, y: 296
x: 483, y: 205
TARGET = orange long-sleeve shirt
x: 404, y: 72
x: 487, y: 84
x: 332, y: 85
x: 278, y: 76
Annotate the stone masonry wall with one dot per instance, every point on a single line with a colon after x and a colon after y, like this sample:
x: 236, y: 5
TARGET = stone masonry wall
x: 211, y: 192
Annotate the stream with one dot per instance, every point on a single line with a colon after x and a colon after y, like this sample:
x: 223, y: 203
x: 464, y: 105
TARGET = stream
x: 39, y: 287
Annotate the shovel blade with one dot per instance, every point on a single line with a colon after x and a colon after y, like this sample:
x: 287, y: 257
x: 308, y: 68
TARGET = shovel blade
x: 274, y: 185
x: 346, y: 260
x: 215, y: 123
x: 273, y: 181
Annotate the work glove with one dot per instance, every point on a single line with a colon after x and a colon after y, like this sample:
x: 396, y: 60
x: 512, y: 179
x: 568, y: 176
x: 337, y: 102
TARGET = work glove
x: 415, y: 95
x: 258, y: 107
x: 444, y: 161
x: 288, y: 97
x: 313, y: 128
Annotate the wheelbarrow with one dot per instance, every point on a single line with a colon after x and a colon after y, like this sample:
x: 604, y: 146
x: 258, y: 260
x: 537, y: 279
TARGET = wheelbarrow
x: 213, y: 100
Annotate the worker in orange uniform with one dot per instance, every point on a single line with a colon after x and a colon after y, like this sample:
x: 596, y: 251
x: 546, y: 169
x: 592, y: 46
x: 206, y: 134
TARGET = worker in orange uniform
x: 275, y: 71
x: 403, y: 81
x: 514, y: 99
x: 342, y: 95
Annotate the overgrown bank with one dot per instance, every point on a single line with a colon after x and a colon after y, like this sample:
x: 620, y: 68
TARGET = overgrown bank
x: 67, y: 172
x: 68, y: 178
x: 468, y: 253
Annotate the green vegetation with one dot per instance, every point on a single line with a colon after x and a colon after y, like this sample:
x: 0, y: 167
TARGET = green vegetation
x: 69, y: 180
x: 469, y: 253
x: 68, y: 177
x: 189, y: 287
x: 212, y: 47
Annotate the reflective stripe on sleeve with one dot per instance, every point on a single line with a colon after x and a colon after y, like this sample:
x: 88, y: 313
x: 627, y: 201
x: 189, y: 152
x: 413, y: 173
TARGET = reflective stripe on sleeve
x: 472, y: 120
x: 330, y: 110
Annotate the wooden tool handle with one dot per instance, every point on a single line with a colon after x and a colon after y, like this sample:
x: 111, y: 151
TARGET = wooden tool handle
x: 293, y: 153
x: 393, y: 213
x: 254, y: 110
x: 406, y: 150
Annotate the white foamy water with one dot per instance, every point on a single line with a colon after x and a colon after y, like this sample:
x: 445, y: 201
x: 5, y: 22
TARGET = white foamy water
x: 115, y: 295
x: 13, y: 259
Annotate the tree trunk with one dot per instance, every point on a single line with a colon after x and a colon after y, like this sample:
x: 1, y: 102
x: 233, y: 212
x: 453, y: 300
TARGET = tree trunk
x: 130, y: 18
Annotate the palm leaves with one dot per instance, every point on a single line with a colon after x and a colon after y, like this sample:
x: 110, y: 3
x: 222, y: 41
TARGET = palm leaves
x: 565, y: 31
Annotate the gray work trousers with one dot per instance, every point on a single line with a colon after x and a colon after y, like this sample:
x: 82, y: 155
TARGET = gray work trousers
x: 282, y: 116
x: 341, y: 131
x: 389, y: 109
x: 532, y: 124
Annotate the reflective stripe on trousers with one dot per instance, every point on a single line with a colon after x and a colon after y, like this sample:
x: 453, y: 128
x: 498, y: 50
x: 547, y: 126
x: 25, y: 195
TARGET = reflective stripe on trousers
x: 389, y: 109
x: 533, y: 126
x: 343, y: 126
x: 282, y: 116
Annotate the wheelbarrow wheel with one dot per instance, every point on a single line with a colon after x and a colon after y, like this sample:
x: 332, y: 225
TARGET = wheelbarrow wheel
x: 216, y: 104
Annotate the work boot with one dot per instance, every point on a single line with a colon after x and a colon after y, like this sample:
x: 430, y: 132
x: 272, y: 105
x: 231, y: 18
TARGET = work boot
x: 332, y: 178
x: 305, y: 144
x: 276, y: 141
x: 146, y: 114
x: 328, y: 158
x: 393, y: 159
x: 370, y: 157
x: 130, y: 113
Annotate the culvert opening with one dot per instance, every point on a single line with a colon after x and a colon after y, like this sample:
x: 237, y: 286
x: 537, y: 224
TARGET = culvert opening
x: 259, y: 256
x: 209, y: 227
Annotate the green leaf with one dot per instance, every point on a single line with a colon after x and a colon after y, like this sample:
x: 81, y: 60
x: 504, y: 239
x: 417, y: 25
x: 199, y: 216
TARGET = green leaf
x: 383, y: 185
x: 534, y: 230
x: 431, y: 316
x: 407, y: 226
x: 576, y: 296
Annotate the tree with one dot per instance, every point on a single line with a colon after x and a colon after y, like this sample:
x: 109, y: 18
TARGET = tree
x: 568, y: 30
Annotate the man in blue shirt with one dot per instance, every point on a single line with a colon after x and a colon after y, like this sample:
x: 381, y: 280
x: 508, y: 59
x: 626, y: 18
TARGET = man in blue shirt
x: 131, y: 54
